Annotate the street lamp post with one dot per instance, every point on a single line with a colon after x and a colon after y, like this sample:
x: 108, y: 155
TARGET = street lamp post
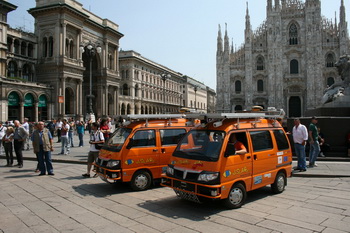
x: 164, y: 76
x: 195, y: 97
x: 90, y: 52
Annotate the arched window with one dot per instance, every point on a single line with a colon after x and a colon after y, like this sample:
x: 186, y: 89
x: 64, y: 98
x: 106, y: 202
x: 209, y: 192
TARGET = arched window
x: 67, y: 47
x: 110, y: 61
x: 238, y: 86
x: 71, y: 49
x: 293, y: 34
x: 45, y: 47
x: 330, y: 60
x: 294, y: 66
x: 30, y: 50
x: 27, y: 73
x: 125, y: 89
x: 137, y: 90
x: 260, y: 63
x: 24, y: 48
x: 12, y: 69
x: 50, y: 46
x: 260, y: 85
x: 330, y: 81
x: 16, y: 44
x: 9, y: 44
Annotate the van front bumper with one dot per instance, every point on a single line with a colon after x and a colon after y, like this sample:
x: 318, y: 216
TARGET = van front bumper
x: 108, y: 175
x: 191, y: 191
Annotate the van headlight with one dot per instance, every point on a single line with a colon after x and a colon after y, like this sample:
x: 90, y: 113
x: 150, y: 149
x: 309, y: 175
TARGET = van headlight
x: 170, y: 171
x: 113, y: 163
x: 208, y: 176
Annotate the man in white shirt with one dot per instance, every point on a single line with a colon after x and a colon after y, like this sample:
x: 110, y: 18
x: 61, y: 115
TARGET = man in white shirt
x: 64, y: 138
x: 96, y: 137
x: 25, y: 125
x: 300, y: 137
x: 58, y: 127
x: 2, y: 133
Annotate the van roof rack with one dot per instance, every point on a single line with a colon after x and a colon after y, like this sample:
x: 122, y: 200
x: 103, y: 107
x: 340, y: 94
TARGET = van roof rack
x: 253, y: 114
x: 153, y: 116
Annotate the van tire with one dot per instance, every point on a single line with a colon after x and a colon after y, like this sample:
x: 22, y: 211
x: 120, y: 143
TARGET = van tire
x: 280, y: 183
x: 236, y: 197
x: 141, y: 180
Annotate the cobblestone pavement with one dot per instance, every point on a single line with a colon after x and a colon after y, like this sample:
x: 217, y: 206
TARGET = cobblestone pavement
x: 67, y: 202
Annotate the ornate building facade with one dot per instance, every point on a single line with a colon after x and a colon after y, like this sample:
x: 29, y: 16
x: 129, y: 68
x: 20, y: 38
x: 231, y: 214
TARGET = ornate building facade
x: 286, y: 63
x: 49, y: 73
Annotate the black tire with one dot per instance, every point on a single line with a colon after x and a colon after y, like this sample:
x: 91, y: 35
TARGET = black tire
x: 236, y: 197
x: 141, y: 180
x: 280, y: 183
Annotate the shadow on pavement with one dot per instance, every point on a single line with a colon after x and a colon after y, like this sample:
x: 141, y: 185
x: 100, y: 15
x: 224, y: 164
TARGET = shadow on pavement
x: 102, y: 189
x: 176, y: 208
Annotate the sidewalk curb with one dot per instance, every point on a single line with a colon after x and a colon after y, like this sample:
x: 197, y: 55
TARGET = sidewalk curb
x: 319, y: 175
x: 53, y: 160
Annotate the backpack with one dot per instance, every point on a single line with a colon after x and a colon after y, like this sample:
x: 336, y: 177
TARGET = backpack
x: 98, y: 146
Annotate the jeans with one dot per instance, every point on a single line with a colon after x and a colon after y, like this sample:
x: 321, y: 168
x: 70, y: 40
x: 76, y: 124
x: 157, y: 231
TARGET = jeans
x: 45, y: 162
x: 8, y: 150
x: 300, y: 152
x: 314, y: 151
x: 81, y: 142
x: 64, y: 145
x: 70, y: 138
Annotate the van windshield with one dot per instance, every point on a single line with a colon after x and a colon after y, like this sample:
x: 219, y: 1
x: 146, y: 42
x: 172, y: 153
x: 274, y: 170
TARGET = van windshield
x: 118, y: 138
x: 201, y: 144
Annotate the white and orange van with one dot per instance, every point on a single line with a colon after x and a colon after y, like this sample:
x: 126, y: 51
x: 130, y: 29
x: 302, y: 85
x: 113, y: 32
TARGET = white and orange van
x: 225, y: 158
x: 137, y: 151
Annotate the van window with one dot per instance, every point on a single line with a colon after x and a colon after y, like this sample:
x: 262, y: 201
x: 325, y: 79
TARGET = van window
x: 200, y: 144
x: 261, y: 140
x: 118, y: 138
x: 144, y: 138
x: 281, y: 140
x: 171, y: 136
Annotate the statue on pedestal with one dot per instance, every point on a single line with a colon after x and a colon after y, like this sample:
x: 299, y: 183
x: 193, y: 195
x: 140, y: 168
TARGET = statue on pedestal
x: 341, y: 88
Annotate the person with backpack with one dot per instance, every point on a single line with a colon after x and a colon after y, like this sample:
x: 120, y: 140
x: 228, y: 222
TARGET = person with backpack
x: 96, y: 141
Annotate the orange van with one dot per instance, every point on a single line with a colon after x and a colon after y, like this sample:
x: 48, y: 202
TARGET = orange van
x: 138, y: 151
x: 225, y: 158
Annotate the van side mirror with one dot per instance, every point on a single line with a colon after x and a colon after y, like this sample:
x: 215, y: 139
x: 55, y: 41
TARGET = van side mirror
x: 230, y: 150
x: 130, y: 144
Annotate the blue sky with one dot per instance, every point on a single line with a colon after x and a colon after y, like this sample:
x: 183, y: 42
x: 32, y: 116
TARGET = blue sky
x: 178, y: 34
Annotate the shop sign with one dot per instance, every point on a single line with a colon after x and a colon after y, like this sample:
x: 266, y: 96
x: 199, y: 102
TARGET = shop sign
x: 42, y: 101
x: 28, y: 100
x: 13, y: 99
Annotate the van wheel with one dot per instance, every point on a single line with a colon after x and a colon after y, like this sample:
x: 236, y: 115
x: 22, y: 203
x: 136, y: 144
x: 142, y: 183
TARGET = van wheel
x: 141, y: 180
x: 236, y: 197
x: 279, y: 184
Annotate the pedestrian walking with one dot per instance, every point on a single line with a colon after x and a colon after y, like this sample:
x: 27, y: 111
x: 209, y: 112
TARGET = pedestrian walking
x: 20, y: 135
x: 42, y: 146
x: 2, y: 133
x: 70, y: 132
x: 64, y: 138
x: 8, y: 145
x: 96, y: 137
x: 81, y: 130
x: 105, y: 128
x: 26, y: 126
x: 300, y: 137
x: 58, y: 127
x: 314, y: 144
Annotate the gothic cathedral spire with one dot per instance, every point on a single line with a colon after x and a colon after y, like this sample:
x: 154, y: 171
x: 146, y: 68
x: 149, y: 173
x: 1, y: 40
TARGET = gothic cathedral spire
x: 219, y: 43
x: 226, y: 41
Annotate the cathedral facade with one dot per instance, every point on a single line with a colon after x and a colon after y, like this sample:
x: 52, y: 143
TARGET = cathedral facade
x: 286, y: 63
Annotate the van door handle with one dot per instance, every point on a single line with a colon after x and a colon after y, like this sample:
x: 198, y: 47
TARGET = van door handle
x: 155, y: 150
x: 255, y: 157
x: 248, y: 157
x: 163, y: 150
